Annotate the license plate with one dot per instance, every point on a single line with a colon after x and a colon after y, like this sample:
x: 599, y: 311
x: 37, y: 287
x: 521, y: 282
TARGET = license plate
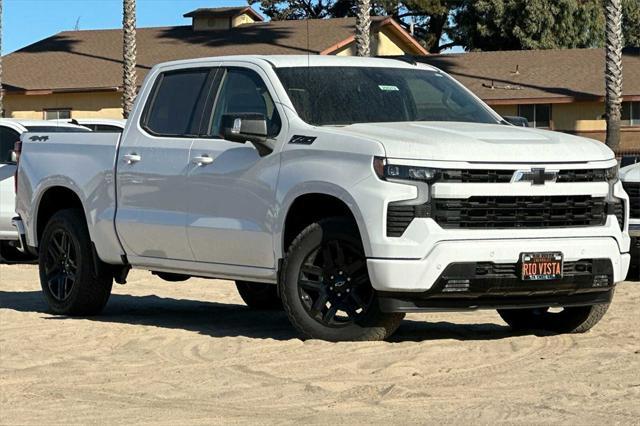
x: 541, y: 266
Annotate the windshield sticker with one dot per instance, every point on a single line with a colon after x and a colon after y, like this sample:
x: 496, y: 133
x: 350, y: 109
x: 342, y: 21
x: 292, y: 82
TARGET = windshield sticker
x: 387, y: 88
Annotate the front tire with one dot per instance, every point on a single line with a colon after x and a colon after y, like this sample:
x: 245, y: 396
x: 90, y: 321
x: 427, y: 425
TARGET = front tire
x: 67, y: 263
x: 259, y: 296
x: 325, y: 287
x: 579, y: 319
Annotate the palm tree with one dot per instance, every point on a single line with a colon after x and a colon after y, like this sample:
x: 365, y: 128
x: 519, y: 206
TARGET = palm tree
x: 1, y: 91
x: 129, y: 53
x: 613, y: 71
x: 363, y: 28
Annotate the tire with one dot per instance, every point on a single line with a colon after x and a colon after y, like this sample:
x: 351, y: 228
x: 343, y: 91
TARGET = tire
x: 325, y: 288
x: 578, y: 319
x: 67, y: 263
x: 259, y: 296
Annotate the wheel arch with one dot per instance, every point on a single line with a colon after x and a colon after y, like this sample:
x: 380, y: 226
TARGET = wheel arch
x: 315, y: 203
x: 52, y: 200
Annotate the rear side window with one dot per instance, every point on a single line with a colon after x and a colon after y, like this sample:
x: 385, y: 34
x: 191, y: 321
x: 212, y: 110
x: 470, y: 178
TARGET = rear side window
x: 8, y: 137
x: 172, y: 106
x: 104, y: 128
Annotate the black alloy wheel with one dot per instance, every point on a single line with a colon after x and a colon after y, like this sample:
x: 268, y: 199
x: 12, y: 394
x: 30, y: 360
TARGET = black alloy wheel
x: 333, y: 284
x: 61, y: 265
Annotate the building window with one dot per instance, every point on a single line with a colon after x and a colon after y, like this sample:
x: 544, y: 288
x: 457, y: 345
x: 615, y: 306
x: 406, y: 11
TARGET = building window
x: 630, y: 114
x: 538, y: 115
x: 57, y: 114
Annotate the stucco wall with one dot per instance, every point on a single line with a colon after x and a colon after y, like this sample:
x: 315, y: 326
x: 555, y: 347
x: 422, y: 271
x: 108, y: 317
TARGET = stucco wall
x: 383, y: 43
x: 83, y: 105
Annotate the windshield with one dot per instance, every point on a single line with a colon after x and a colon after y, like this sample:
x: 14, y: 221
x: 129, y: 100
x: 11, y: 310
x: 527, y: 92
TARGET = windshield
x: 56, y: 129
x: 347, y: 95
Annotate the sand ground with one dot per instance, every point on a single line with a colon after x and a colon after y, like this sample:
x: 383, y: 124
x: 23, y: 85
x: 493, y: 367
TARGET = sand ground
x: 191, y: 353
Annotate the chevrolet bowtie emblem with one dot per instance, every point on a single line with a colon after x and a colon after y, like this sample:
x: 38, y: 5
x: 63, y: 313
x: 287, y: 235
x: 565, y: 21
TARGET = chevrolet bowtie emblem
x: 535, y: 176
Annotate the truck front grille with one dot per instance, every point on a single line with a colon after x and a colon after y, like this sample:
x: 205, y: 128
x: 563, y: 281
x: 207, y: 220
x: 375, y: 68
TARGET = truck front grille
x: 633, y: 190
x: 504, y: 176
x: 519, y: 212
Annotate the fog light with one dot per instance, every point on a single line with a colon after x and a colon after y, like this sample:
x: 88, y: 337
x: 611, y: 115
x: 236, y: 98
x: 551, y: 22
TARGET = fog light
x: 600, y: 280
x: 456, y: 285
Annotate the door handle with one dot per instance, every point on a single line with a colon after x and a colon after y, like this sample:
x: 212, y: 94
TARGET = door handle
x: 202, y: 160
x: 131, y: 158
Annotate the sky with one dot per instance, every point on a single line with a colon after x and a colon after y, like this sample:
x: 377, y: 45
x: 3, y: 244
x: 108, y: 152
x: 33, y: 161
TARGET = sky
x: 28, y: 21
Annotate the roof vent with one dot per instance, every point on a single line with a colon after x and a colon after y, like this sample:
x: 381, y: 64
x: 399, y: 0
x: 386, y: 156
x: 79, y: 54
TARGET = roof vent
x: 222, y: 18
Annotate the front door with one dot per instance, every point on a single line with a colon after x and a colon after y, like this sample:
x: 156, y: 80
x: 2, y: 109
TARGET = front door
x: 232, y: 185
x: 153, y: 162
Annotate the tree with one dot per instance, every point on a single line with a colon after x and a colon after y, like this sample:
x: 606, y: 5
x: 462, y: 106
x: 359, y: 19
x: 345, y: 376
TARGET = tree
x: 529, y: 24
x: 631, y: 22
x: 363, y: 28
x: 279, y: 10
x: 613, y: 71
x: 129, y: 83
x: 429, y: 20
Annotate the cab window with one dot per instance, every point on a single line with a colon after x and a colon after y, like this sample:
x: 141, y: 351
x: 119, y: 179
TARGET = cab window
x: 243, y: 91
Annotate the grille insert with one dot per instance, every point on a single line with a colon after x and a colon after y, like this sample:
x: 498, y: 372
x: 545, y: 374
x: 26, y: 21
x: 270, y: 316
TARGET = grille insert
x: 399, y: 217
x: 504, y: 176
x: 519, y: 212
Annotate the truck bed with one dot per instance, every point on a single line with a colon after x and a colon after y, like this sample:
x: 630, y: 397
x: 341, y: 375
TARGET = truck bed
x: 82, y: 162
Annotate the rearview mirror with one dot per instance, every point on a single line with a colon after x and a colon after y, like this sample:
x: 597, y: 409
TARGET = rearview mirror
x: 516, y: 121
x: 244, y: 127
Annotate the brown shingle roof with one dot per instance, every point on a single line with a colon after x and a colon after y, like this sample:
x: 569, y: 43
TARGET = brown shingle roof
x: 553, y: 75
x: 82, y: 60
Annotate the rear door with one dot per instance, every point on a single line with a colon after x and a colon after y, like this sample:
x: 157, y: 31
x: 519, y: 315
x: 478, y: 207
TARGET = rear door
x: 153, y: 161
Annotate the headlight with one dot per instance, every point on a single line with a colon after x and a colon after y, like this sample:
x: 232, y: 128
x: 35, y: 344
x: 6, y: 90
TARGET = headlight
x: 401, y: 172
x: 611, y: 174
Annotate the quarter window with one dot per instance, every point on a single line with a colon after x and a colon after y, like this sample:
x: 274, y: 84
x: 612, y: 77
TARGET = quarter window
x: 57, y: 114
x: 538, y: 115
x: 243, y: 91
x: 630, y: 114
x: 173, y: 105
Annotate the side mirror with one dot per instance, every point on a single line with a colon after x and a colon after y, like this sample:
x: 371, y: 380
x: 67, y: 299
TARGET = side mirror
x: 14, y: 156
x: 516, y: 121
x: 244, y: 127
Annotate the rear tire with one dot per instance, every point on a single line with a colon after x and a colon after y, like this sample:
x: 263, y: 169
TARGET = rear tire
x: 325, y: 287
x: 259, y: 296
x: 67, y: 263
x: 579, y: 319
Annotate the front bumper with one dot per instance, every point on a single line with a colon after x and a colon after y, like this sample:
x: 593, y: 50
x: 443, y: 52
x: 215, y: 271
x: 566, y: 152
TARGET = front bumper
x: 420, y: 275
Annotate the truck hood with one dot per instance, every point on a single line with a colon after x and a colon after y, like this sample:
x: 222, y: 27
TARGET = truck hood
x: 495, y: 143
x: 630, y: 173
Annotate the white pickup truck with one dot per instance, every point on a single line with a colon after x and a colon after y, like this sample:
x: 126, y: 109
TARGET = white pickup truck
x: 349, y: 191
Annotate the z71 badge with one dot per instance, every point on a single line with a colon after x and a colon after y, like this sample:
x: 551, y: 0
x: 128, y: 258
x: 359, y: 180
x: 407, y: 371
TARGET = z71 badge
x: 302, y: 140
